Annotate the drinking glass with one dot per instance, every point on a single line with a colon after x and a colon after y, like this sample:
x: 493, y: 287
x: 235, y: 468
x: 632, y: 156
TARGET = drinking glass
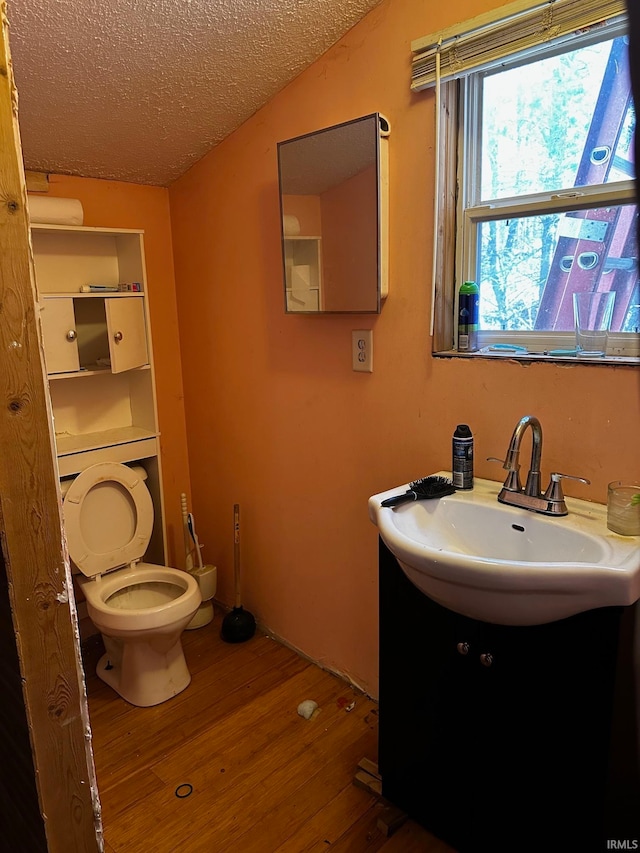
x: 623, y: 513
x: 593, y: 312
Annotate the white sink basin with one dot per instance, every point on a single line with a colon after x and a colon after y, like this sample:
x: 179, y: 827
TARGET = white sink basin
x: 507, y: 565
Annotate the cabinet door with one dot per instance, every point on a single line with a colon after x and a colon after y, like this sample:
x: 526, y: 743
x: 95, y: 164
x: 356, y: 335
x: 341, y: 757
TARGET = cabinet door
x: 59, y: 335
x: 127, y: 333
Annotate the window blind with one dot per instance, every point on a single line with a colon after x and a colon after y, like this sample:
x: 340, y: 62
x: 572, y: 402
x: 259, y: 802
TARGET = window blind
x: 508, y: 30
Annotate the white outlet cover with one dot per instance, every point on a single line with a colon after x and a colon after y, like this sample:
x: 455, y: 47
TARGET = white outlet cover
x: 362, y: 350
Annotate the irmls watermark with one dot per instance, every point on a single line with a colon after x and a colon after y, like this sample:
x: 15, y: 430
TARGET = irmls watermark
x: 623, y: 844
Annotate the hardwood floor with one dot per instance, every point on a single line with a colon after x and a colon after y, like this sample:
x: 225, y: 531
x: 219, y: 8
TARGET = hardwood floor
x: 261, y: 778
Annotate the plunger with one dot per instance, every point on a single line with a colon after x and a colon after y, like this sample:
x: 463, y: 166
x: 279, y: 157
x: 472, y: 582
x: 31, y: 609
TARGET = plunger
x: 238, y: 625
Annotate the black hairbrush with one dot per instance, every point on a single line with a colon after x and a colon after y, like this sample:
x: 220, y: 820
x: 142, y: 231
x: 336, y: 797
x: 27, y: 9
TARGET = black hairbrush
x: 423, y: 489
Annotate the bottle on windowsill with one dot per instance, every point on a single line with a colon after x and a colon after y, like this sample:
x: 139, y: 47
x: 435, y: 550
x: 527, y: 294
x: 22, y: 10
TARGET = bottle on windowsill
x: 468, y: 310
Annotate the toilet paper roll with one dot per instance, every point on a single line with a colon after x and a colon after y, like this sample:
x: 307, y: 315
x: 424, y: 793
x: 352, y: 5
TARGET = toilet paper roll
x: 55, y: 211
x: 291, y: 225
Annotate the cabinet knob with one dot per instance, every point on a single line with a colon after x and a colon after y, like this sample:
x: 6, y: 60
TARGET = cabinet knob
x: 463, y: 648
x: 486, y: 659
x: 118, y: 336
x: 71, y: 335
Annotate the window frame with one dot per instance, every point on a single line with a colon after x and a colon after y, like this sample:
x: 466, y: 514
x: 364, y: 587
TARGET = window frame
x: 455, y: 235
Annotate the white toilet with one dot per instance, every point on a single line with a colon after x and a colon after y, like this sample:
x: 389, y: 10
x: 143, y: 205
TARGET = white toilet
x: 140, y: 609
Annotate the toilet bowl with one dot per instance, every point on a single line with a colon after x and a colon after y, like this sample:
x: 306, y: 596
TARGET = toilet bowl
x: 139, y: 608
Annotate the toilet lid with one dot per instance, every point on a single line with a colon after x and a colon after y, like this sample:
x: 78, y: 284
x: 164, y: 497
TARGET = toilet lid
x: 108, y: 518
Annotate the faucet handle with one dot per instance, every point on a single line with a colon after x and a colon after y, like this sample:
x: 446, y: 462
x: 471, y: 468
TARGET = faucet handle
x: 512, y: 483
x: 556, y: 477
x: 554, y: 489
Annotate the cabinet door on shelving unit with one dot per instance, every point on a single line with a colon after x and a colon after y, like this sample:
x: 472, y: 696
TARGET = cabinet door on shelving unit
x: 127, y: 333
x: 59, y: 336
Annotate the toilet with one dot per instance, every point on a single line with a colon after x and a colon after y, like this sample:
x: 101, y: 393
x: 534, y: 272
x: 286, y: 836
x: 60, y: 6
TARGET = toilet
x: 140, y: 609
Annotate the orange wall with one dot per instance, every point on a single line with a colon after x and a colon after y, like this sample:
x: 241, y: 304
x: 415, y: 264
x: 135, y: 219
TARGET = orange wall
x: 114, y: 204
x: 276, y: 418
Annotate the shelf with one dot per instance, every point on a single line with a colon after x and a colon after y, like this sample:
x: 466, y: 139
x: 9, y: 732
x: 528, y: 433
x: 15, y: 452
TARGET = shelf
x: 68, y: 444
x: 101, y: 294
x: 68, y: 258
x: 82, y: 229
x: 90, y: 371
x: 131, y: 451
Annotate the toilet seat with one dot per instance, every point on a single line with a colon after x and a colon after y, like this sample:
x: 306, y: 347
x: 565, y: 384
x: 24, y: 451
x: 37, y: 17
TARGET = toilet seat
x: 108, y: 518
x: 120, y: 618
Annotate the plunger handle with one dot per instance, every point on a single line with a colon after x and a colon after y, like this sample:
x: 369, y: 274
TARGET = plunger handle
x: 236, y: 551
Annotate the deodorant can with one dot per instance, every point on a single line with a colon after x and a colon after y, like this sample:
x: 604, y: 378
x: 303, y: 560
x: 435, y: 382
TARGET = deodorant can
x: 468, y: 311
x: 462, y: 457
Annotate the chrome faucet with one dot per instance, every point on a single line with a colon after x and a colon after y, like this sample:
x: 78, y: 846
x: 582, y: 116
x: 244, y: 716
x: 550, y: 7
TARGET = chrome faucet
x: 552, y: 501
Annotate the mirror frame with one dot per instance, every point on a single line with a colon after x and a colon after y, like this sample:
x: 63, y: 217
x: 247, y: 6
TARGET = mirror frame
x: 380, y: 133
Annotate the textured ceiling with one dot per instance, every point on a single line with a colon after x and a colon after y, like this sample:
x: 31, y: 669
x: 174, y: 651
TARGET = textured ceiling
x: 139, y: 90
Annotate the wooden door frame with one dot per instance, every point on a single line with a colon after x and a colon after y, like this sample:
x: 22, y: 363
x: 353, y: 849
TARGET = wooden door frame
x: 36, y: 562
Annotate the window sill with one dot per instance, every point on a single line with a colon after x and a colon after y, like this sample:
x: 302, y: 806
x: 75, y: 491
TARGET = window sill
x: 607, y: 361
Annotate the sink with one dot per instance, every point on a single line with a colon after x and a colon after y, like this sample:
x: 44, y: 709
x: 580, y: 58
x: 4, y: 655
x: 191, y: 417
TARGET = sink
x: 506, y: 565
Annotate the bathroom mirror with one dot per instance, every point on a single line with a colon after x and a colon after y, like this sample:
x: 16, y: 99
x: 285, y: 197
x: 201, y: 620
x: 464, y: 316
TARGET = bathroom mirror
x: 333, y: 204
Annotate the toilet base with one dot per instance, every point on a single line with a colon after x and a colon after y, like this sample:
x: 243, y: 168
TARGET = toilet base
x: 142, y: 675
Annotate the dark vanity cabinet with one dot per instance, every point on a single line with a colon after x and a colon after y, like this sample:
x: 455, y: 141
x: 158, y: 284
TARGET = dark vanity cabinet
x: 498, y: 738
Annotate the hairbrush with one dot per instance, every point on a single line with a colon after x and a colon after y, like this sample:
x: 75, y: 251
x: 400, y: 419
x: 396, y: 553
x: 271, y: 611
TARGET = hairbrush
x: 423, y: 489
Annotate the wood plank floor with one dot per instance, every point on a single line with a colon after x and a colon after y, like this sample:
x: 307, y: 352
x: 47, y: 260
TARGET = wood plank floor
x: 262, y: 778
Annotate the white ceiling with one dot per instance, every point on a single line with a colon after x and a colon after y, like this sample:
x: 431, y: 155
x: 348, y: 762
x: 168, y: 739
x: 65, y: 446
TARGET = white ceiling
x: 139, y: 90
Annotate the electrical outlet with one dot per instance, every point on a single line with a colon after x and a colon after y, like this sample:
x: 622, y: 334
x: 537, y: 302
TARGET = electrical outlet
x: 362, y: 350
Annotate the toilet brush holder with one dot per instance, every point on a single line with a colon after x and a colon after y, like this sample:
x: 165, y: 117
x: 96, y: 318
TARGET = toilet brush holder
x: 207, y: 577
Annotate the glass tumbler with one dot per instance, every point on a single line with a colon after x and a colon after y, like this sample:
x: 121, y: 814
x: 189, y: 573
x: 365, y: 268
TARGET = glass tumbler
x: 593, y: 313
x: 623, y: 513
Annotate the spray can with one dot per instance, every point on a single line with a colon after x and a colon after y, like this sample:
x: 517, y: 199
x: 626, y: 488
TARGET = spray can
x: 462, y: 457
x: 468, y: 311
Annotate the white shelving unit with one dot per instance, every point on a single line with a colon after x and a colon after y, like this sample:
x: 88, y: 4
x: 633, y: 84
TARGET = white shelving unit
x: 98, y: 354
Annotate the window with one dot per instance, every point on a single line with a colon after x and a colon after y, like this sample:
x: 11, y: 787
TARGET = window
x: 543, y: 176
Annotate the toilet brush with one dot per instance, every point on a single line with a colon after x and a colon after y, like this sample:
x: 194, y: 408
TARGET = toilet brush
x: 188, y: 541
x: 194, y: 536
x: 205, y: 575
x: 238, y: 625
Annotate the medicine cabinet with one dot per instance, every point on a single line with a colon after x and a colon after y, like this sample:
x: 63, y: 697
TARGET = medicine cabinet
x: 98, y: 353
x: 334, y: 212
